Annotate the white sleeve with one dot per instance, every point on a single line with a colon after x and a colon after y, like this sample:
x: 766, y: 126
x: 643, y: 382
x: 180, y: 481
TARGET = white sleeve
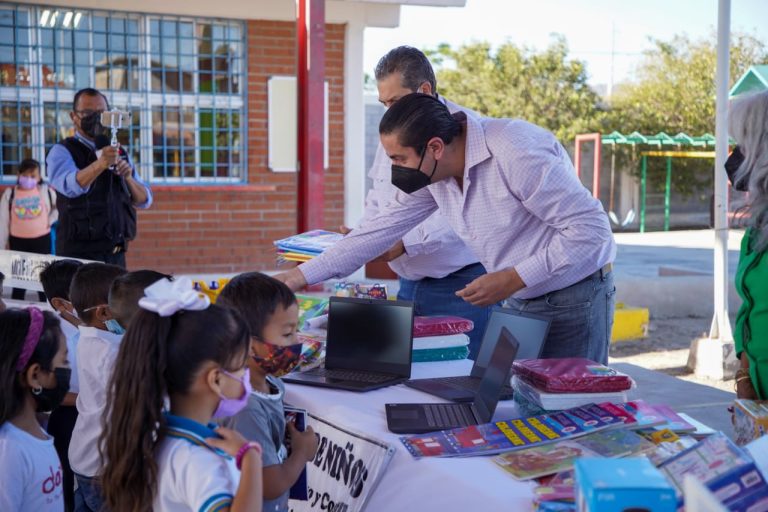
x: 205, y: 481
x: 53, y: 212
x: 5, y: 217
x: 13, y: 470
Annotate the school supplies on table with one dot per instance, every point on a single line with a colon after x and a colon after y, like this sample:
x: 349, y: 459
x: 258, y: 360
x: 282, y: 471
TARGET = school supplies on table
x: 509, y: 435
x: 305, y: 246
x: 555, y: 457
x: 622, y: 485
x: 560, y: 401
x: 750, y: 420
x: 361, y: 290
x: 571, y: 375
x: 440, y: 325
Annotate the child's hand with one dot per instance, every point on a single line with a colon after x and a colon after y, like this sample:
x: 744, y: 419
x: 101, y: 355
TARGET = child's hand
x: 304, y: 443
x: 230, y: 443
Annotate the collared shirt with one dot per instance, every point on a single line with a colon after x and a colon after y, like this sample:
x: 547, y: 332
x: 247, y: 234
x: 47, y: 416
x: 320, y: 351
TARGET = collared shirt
x: 432, y: 249
x: 62, y: 172
x: 72, y: 333
x: 191, y: 474
x: 522, y: 206
x: 96, y: 354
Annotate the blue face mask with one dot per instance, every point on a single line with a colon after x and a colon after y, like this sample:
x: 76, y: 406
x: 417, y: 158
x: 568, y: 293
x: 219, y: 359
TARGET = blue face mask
x: 114, y: 326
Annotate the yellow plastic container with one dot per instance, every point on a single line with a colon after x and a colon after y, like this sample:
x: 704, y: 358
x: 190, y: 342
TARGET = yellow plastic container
x: 629, y: 323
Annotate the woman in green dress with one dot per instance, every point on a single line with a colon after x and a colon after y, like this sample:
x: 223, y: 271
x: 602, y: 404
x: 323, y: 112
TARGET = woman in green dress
x: 747, y: 169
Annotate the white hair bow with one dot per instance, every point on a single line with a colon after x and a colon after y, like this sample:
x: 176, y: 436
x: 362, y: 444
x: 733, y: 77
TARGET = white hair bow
x: 167, y: 297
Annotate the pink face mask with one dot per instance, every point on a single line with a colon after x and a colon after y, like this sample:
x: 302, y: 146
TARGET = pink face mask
x: 231, y: 406
x: 27, y: 183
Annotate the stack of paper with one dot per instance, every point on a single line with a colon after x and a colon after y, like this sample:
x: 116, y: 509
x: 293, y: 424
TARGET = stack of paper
x: 560, y: 401
x: 305, y: 246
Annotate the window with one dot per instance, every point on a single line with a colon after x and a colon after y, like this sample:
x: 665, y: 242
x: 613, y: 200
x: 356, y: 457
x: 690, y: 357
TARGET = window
x: 179, y: 76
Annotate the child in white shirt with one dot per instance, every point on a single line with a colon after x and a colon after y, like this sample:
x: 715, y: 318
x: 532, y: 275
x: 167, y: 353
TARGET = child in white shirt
x: 96, y: 353
x: 180, y: 350
x: 34, y: 377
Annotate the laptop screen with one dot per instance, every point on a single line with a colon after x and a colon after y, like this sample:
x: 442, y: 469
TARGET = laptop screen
x: 496, y: 375
x: 529, y: 330
x: 370, y: 334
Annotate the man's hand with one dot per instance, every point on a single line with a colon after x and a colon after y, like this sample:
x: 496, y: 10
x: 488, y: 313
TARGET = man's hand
x: 294, y: 279
x: 110, y: 155
x: 344, y: 230
x: 492, y: 288
x: 124, y: 169
x: 394, y: 252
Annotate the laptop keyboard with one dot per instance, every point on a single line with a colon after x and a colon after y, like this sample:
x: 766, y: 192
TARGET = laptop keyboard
x: 444, y: 415
x: 352, y: 375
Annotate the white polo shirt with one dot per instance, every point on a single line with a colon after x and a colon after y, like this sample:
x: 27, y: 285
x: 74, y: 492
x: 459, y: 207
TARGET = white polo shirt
x: 72, y: 334
x: 96, y: 354
x: 30, y: 472
x: 192, y: 475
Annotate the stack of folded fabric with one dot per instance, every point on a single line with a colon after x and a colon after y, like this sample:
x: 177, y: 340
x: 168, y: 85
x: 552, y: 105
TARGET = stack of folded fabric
x: 440, y: 338
x: 557, y: 384
x: 305, y: 246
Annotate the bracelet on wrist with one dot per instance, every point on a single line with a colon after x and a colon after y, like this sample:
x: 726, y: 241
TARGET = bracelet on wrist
x: 250, y: 445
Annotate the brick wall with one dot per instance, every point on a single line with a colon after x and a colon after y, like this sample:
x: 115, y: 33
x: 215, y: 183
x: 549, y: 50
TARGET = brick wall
x: 231, y: 229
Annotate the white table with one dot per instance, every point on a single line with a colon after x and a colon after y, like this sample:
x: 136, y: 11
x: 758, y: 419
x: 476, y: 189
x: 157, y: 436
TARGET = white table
x: 429, y: 484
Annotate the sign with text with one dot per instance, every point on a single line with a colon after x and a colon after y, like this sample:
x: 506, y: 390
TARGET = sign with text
x: 345, y: 470
x: 22, y: 269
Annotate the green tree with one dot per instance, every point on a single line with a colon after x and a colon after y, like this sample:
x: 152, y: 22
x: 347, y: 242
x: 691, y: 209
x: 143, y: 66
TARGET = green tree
x: 543, y: 87
x: 674, y: 91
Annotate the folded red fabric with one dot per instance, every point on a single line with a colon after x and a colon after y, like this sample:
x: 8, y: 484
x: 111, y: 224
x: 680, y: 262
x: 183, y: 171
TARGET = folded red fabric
x: 424, y: 326
x: 571, y: 375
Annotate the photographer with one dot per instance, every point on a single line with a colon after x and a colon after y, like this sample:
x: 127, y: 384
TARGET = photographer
x: 99, y: 190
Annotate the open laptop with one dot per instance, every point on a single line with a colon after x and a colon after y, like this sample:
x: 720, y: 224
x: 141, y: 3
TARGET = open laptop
x: 529, y: 329
x: 368, y: 346
x: 419, y: 418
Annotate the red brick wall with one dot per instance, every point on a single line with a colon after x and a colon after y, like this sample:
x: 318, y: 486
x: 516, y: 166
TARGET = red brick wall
x: 231, y: 229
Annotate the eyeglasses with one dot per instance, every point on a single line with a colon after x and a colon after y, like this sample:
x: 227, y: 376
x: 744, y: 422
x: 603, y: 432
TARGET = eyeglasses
x: 87, y: 113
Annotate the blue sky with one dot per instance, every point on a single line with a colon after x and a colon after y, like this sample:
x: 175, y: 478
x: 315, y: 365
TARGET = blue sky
x: 588, y: 26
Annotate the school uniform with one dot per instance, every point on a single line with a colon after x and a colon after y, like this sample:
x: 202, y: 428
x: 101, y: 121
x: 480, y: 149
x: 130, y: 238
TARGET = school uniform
x: 96, y: 354
x: 29, y: 471
x: 192, y: 475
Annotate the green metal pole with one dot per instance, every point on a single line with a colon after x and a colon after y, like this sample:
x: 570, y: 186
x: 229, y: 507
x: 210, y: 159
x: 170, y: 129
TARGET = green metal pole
x: 667, y: 193
x: 643, y: 172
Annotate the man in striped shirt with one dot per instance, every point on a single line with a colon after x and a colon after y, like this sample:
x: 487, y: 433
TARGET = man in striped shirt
x: 509, y: 190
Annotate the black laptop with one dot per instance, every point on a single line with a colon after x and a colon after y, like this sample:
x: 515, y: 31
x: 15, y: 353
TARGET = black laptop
x: 529, y: 329
x: 368, y: 347
x: 420, y: 418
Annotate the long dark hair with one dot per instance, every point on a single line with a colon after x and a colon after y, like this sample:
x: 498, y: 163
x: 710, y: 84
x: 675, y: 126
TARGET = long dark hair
x: 158, y: 356
x: 14, y: 324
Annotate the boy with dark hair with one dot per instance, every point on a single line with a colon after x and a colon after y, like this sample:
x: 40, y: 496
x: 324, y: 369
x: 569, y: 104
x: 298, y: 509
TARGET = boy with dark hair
x: 271, y: 312
x: 56, y: 279
x: 96, y: 353
x: 125, y: 292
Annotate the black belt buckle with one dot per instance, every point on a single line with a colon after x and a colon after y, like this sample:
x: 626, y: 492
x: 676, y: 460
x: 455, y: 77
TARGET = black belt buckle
x: 117, y: 249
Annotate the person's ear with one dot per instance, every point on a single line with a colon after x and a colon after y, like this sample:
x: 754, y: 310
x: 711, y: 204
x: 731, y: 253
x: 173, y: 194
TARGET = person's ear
x: 425, y: 88
x: 436, y: 146
x: 213, y: 380
x: 59, y: 304
x: 102, y: 313
x: 31, y: 377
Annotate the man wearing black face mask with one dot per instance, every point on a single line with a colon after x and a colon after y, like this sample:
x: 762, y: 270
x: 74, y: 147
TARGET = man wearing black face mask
x: 99, y: 190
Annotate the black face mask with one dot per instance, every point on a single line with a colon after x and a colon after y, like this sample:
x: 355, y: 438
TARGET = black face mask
x: 408, y: 179
x: 91, y: 125
x: 732, y: 165
x: 50, y: 398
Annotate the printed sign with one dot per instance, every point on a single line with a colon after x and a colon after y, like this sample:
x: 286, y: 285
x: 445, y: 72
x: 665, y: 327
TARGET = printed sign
x: 22, y: 269
x: 345, y: 470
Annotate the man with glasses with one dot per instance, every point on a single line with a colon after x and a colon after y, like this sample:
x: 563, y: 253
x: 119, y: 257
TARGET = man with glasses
x: 99, y: 189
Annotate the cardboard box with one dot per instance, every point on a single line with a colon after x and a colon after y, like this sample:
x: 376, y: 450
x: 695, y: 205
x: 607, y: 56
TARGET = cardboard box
x: 622, y: 485
x: 750, y: 420
x: 742, y: 489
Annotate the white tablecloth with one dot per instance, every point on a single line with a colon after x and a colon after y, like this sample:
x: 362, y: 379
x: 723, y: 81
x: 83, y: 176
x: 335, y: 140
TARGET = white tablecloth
x: 429, y: 484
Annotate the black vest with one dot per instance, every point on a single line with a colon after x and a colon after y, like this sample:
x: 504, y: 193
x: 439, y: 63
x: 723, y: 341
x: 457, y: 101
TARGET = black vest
x: 99, y: 219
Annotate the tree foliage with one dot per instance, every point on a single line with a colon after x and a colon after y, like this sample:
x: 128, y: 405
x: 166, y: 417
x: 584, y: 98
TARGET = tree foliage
x: 545, y: 88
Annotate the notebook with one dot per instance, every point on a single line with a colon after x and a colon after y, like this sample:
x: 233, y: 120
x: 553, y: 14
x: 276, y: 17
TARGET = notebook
x: 420, y: 418
x: 368, y: 346
x: 529, y: 329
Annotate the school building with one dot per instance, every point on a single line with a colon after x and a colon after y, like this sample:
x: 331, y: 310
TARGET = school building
x: 211, y: 88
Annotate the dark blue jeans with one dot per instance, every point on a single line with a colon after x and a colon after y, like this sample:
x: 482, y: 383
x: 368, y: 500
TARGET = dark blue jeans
x: 88, y: 496
x: 437, y: 297
x: 581, y: 315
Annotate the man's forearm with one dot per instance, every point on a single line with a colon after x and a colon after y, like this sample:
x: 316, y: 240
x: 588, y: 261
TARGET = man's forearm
x: 137, y: 190
x: 88, y: 175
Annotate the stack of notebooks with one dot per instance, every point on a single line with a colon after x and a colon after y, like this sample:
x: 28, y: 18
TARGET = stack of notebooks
x: 440, y: 338
x: 557, y: 384
x: 305, y: 246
